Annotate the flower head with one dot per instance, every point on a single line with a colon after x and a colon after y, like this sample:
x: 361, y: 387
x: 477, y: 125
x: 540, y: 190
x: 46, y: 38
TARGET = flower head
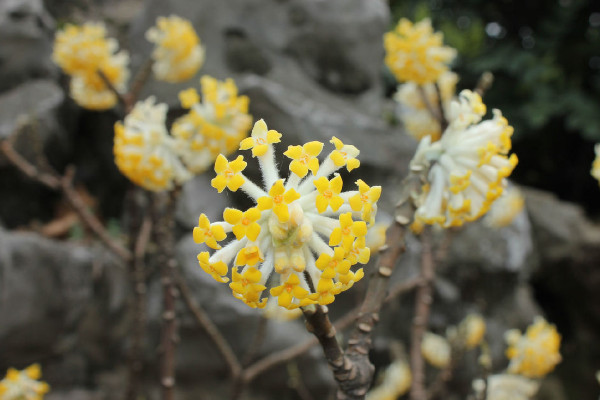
x: 436, y: 350
x: 215, y: 124
x: 415, y: 53
x: 84, y: 51
x: 473, y: 328
x: 535, y: 353
x: 302, y: 237
x: 178, y: 53
x: 466, y: 169
x: 144, y: 151
x: 596, y: 165
x: 415, y: 115
x: 23, y: 385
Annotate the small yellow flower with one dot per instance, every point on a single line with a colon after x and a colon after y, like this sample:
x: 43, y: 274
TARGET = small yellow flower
x: 188, y: 97
x: 289, y: 290
x: 415, y: 53
x: 329, y: 193
x: 397, y: 379
x: 228, y: 173
x: 336, y: 262
x: 504, y: 210
x: 304, y: 158
x: 365, y: 200
x: 347, y: 232
x: 535, y: 353
x: 243, y: 222
x: 216, y: 269
x: 209, y: 233
x: 178, y: 53
x: 473, y: 329
x: 247, y: 287
x: 344, y: 155
x: 278, y: 200
x: 23, y: 385
x: 260, y: 139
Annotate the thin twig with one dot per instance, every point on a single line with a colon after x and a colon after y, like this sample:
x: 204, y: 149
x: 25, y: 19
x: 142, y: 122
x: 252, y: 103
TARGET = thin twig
x: 138, y: 82
x: 88, y: 218
x: 486, y: 80
x: 122, y: 99
x: 209, y: 327
x: 168, y: 264
x: 442, y: 115
x: 55, y: 181
x: 423, y: 300
x: 138, y: 279
x: 433, y: 110
x: 257, y: 340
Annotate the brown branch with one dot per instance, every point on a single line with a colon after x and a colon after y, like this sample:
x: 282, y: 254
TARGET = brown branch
x: 442, y: 115
x: 166, y: 259
x: 257, y: 341
x: 122, y: 99
x: 423, y: 300
x: 210, y: 328
x: 433, y: 110
x: 138, y: 278
x: 88, y: 218
x: 55, y: 181
x: 486, y: 80
x: 140, y: 79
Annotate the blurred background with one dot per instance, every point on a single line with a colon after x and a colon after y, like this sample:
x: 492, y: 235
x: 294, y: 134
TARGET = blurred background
x: 312, y: 69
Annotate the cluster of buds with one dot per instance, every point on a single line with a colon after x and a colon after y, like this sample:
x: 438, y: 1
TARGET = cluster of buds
x: 304, y: 233
x: 150, y: 157
x: 89, y: 57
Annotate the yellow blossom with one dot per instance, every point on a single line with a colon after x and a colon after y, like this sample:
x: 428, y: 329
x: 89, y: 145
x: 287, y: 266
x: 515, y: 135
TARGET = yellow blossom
x: 216, y: 269
x: 365, y: 200
x: 472, y: 330
x: 282, y: 241
x: 229, y: 173
x: 209, y: 233
x: 304, y: 158
x: 415, y: 53
x: 144, y: 152
x: 84, y: 51
x: 397, y: 379
x: 535, y: 353
x: 215, y: 124
x: 178, y: 53
x: 504, y: 210
x: 344, y: 155
x: 596, y: 164
x: 23, y: 385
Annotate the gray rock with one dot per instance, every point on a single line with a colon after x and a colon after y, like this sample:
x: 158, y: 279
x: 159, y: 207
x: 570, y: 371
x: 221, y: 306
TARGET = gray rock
x: 56, y: 299
x: 26, y: 34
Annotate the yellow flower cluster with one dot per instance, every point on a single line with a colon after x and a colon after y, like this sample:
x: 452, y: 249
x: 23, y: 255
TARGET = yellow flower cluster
x: 436, y: 350
x: 416, y: 117
x: 535, y: 353
x: 23, y: 385
x: 145, y: 152
x: 506, y: 208
x: 215, y: 124
x: 596, y: 165
x: 178, y: 53
x: 415, y: 53
x: 83, y: 51
x: 466, y: 169
x: 302, y: 236
x: 397, y: 379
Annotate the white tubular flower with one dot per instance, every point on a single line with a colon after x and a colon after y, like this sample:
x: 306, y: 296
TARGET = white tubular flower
x: 510, y: 387
x: 302, y: 236
x: 144, y: 151
x: 178, y: 53
x: 466, y: 168
x: 415, y: 115
x: 215, y: 125
x: 23, y: 385
x: 436, y: 350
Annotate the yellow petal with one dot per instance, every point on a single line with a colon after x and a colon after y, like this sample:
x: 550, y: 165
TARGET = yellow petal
x: 232, y: 215
x: 313, y: 148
